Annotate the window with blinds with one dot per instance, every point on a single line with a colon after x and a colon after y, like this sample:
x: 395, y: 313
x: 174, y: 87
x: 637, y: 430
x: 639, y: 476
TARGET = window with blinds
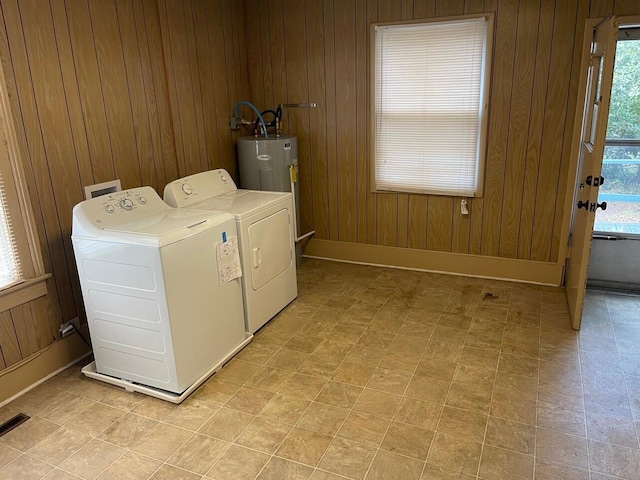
x: 431, y: 81
x: 10, y: 271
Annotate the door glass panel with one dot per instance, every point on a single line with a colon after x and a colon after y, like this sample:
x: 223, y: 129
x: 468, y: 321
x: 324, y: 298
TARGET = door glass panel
x: 621, y: 160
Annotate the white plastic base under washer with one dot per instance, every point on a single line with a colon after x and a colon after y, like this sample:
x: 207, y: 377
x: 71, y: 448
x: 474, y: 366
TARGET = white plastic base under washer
x: 90, y: 371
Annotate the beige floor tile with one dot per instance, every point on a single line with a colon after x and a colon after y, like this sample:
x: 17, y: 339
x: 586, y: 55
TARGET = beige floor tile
x: 150, y: 407
x: 191, y: 414
x: 377, y: 403
x: 65, y: 407
x: 455, y: 453
x: 521, y: 410
x: 264, y: 435
x: 339, y: 394
x: 407, y: 440
x: 336, y: 348
x: 303, y: 343
x: 455, y: 336
x: 322, y: 475
x: 390, y: 381
x: 437, y: 369
x: 162, y: 441
x: 614, y: 460
x: 92, y: 459
x: 226, y: 424
x: 519, y: 365
x: 480, y: 377
x: 353, y: 373
x: 237, y: 371
x: 343, y: 334
x: 25, y: 467
x: 238, y: 463
x: 249, y: 400
x: 561, y: 419
x: 95, y: 419
x: 518, y: 386
x: 613, y: 430
x: 257, y: 353
x: 365, y: 355
x: 400, y: 362
x: 428, y: 389
x: 126, y: 431
x: 285, y: 409
x: 288, y: 360
x: 320, y: 366
x: 436, y: 472
x: 518, y: 437
x: 303, y: 386
x: 216, y: 391
x: 169, y: 472
x: 388, y: 465
x: 199, y: 453
x: 419, y: 413
x: 347, y: 458
x: 58, y: 447
x: 29, y: 433
x: 8, y: 455
x: 469, y: 397
x: 499, y: 464
x: 37, y: 399
x: 373, y: 338
x: 304, y: 446
x: 546, y: 469
x: 119, y: 398
x: 131, y: 466
x: 561, y: 448
x: 463, y: 424
x: 479, y: 357
x: 270, y: 379
x: 321, y: 418
x: 57, y: 474
x: 364, y: 428
x: 280, y: 469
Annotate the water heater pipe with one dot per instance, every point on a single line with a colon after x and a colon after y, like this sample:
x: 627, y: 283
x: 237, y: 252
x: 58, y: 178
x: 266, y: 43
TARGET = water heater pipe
x: 293, y: 177
x: 237, y: 107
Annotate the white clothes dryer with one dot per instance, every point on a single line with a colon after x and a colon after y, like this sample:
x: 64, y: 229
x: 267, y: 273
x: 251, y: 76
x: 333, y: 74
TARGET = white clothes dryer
x: 162, y: 316
x: 266, y: 234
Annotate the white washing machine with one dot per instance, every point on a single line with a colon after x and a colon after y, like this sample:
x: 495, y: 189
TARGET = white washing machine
x: 265, y: 229
x: 161, y: 291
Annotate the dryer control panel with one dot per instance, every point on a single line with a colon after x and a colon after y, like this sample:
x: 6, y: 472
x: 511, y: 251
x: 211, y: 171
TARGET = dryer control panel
x: 196, y: 188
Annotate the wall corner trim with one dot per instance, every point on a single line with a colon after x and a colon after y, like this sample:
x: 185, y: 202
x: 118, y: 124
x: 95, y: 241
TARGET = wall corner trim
x: 511, y: 269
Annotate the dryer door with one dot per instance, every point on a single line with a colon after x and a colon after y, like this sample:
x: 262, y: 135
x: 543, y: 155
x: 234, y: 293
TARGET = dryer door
x: 270, y: 248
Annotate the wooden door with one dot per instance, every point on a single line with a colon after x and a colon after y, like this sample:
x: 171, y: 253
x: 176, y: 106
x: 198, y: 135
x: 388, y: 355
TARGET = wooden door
x: 592, y: 138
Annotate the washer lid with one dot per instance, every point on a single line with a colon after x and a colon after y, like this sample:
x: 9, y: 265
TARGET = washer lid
x: 166, y: 222
x: 242, y: 203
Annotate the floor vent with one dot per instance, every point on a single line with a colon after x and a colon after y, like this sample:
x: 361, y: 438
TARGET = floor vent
x: 13, y: 423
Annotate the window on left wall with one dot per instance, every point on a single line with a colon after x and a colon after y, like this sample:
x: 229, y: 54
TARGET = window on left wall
x: 22, y: 275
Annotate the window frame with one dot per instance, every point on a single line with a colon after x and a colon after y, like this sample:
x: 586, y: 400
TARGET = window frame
x: 484, y: 111
x: 33, y: 283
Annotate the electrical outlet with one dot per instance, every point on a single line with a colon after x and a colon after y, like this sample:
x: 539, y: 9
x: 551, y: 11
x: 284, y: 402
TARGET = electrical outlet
x: 69, y: 327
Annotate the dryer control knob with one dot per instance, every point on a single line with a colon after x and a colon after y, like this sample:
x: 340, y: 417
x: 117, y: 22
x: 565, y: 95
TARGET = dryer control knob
x: 142, y: 200
x: 109, y: 209
x: 126, y: 203
x: 223, y: 178
x: 186, y: 188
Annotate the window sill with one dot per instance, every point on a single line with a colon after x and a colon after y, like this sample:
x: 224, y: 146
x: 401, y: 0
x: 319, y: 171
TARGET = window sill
x: 24, y: 292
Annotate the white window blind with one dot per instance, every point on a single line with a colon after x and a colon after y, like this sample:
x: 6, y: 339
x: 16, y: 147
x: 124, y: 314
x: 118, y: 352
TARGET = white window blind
x: 10, y: 271
x: 429, y: 106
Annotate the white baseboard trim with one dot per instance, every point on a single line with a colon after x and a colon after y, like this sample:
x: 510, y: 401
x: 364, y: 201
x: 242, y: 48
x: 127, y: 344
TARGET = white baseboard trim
x: 527, y: 271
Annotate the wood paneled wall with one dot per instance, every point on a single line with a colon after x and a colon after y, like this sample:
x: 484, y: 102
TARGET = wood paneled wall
x: 318, y: 51
x: 139, y: 90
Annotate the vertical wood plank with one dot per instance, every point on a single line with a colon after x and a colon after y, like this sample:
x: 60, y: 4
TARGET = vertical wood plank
x: 626, y: 7
x: 330, y: 99
x: 157, y: 89
x: 89, y: 85
x: 536, y: 125
x: 363, y: 185
x: 565, y: 157
x: 424, y: 8
x: 318, y: 117
x: 473, y: 6
x: 460, y: 228
x: 521, y: 93
x: 256, y: 59
x: 439, y: 223
x: 554, y: 121
x: 9, y: 340
x: 417, y: 235
x: 601, y: 8
x: 449, y: 7
x: 26, y: 330
x: 267, y: 74
x: 139, y: 105
x: 345, y: 121
x: 503, y: 56
x: 372, y: 200
x: 298, y: 92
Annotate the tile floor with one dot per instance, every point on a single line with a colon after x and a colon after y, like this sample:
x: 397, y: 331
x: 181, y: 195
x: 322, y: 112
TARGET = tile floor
x: 371, y: 373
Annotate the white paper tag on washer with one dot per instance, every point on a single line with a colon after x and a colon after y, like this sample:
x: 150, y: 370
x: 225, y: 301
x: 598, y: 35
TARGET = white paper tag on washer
x: 228, y: 258
x: 287, y: 145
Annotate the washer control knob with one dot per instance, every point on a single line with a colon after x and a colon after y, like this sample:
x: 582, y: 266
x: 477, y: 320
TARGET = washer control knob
x: 186, y: 188
x: 223, y: 178
x: 142, y: 200
x: 109, y: 209
x: 126, y: 203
